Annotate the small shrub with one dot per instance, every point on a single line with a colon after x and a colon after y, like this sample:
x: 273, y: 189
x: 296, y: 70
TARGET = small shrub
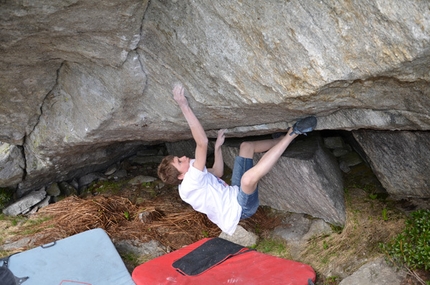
x: 412, y: 246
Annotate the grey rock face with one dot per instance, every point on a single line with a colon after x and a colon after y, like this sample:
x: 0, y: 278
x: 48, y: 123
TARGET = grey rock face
x: 152, y: 248
x: 12, y: 165
x: 306, y: 179
x: 67, y: 189
x: 53, y: 190
x: 334, y: 143
x: 82, y: 111
x: 249, y: 64
x: 297, y: 230
x: 83, y: 82
x: 400, y: 160
x: 38, y: 36
x: 375, y: 272
x: 241, y: 236
x: 24, y: 204
x: 294, y: 228
x: 187, y: 148
x: 141, y: 179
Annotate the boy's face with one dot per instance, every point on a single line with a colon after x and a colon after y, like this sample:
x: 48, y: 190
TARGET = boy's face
x: 182, y: 164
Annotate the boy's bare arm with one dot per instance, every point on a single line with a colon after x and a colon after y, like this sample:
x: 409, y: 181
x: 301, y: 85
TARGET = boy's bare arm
x: 218, y: 167
x: 197, y: 130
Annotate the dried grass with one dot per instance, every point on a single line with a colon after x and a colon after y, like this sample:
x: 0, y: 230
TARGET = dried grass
x: 171, y: 223
x: 120, y: 219
x: 359, y: 240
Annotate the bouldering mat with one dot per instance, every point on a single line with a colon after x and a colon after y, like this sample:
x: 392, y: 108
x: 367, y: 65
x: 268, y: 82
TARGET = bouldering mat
x: 235, y: 265
x: 88, y: 258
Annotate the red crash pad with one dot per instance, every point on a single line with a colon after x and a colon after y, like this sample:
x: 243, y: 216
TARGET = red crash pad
x: 250, y: 267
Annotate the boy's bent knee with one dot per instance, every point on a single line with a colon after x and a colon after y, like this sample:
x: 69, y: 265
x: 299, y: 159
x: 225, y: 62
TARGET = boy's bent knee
x: 248, y: 184
x: 246, y: 149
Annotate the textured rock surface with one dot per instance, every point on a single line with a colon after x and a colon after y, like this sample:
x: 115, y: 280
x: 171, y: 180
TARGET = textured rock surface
x: 306, y: 179
x: 82, y: 81
x: 400, y: 160
x: 375, y: 272
x: 248, y: 63
x: 24, y: 204
x: 38, y: 36
x: 241, y: 236
x: 12, y: 165
x: 297, y: 230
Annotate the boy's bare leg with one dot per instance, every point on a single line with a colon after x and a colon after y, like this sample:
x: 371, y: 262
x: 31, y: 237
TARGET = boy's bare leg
x: 275, y: 148
x: 248, y: 148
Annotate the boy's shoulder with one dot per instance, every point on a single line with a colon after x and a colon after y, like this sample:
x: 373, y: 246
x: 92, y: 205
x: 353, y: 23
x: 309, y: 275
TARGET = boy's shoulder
x: 196, y: 176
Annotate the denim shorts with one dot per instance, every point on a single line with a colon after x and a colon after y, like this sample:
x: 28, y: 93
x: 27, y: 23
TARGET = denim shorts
x: 249, y: 203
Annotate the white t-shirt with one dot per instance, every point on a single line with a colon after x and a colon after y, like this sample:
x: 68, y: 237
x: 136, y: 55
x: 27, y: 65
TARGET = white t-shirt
x: 210, y: 195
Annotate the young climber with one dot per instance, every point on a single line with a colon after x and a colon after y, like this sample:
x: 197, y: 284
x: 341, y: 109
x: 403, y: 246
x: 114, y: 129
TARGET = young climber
x: 202, y: 188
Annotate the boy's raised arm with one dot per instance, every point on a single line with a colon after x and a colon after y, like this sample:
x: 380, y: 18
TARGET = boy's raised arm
x: 197, y: 130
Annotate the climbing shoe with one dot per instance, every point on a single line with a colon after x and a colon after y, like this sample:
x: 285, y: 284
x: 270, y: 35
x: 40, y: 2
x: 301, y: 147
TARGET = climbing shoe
x: 304, y: 126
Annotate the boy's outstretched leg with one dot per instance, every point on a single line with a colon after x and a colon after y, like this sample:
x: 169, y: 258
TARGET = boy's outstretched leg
x: 251, y: 178
x: 275, y: 148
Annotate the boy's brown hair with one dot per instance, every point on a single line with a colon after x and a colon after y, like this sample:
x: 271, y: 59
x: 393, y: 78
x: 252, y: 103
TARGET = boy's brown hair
x: 167, y: 172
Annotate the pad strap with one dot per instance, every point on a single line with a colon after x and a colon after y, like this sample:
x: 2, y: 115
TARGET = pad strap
x: 6, y: 276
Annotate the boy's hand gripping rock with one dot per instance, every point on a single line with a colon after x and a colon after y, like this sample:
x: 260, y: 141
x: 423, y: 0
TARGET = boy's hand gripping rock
x: 220, y: 139
x: 178, y: 95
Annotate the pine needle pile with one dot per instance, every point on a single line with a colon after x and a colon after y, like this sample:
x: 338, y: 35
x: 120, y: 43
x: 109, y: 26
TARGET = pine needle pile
x: 172, y: 224
x: 122, y: 220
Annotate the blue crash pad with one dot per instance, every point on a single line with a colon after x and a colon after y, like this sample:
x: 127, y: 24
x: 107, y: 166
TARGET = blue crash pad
x: 88, y: 258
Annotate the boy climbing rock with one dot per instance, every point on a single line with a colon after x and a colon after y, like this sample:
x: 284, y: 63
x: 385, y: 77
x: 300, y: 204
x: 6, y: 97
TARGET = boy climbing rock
x: 202, y: 188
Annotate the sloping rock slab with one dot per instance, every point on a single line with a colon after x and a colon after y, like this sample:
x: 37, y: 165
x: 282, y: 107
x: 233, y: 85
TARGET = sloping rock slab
x: 375, y: 272
x: 11, y: 165
x: 24, y: 204
x: 399, y: 160
x: 306, y: 179
x: 241, y: 236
